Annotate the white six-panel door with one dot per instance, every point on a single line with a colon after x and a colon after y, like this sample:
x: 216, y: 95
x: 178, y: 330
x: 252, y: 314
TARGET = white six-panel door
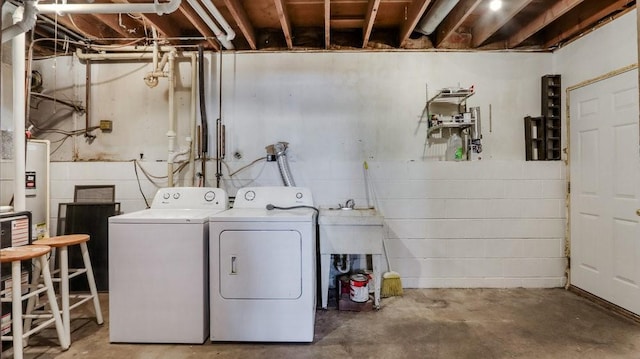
x: 605, y: 189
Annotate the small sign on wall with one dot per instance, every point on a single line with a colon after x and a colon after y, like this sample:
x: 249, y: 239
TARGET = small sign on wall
x: 30, y: 183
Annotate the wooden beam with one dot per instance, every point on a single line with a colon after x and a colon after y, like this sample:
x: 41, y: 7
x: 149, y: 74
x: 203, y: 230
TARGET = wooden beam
x: 558, y: 9
x: 240, y: 16
x: 454, y: 20
x: 163, y: 24
x: 327, y: 24
x: 372, y: 11
x: 413, y: 14
x: 197, y: 22
x: 283, y: 14
x: 494, y: 21
x: 586, y: 22
x: 347, y: 23
x: 88, y: 27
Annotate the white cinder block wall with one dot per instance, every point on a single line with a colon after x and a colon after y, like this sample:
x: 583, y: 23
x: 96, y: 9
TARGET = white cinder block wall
x: 499, y: 222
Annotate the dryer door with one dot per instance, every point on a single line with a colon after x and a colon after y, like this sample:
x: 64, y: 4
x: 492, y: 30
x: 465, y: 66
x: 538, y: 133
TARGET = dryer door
x: 260, y: 264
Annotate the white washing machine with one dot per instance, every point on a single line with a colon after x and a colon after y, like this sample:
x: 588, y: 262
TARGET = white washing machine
x: 263, y: 267
x: 159, y: 268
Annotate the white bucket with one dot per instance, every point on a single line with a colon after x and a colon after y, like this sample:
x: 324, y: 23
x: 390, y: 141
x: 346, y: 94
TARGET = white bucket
x: 359, y: 291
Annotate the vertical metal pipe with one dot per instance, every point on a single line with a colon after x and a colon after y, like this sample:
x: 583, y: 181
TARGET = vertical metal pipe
x: 219, y: 131
x: 87, y: 97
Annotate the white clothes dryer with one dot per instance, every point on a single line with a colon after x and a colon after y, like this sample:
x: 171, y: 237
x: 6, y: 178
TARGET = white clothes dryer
x: 263, y: 267
x: 159, y: 268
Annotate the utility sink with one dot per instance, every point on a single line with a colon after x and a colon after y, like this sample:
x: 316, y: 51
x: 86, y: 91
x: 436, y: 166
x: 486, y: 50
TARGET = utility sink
x: 350, y: 231
x: 350, y: 216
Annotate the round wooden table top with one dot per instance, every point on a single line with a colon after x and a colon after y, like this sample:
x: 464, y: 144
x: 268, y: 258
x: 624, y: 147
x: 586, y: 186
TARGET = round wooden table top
x: 63, y: 241
x: 13, y: 254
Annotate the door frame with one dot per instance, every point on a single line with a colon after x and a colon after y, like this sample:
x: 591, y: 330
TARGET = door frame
x: 567, y: 243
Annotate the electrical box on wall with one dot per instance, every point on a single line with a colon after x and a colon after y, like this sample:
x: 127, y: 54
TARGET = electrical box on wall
x: 106, y: 125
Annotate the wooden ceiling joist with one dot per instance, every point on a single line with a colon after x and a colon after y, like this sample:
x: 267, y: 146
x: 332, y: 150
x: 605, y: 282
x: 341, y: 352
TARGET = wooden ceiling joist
x: 87, y: 26
x: 240, y: 16
x: 197, y: 22
x: 558, y: 9
x: 413, y: 14
x: 283, y: 15
x: 372, y: 11
x: 585, y: 23
x: 492, y: 22
x: 454, y: 20
x: 347, y: 23
x: 327, y: 24
x: 121, y: 24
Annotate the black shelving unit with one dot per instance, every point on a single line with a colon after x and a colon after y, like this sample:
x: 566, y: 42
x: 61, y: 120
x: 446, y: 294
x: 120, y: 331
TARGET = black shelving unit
x: 534, y: 138
x: 551, y: 111
x: 543, y: 134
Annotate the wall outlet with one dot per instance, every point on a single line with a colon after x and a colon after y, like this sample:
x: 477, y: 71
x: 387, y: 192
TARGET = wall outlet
x: 106, y: 125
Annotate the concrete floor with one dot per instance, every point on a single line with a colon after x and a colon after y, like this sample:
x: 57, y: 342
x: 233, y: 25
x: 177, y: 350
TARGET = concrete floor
x: 424, y: 323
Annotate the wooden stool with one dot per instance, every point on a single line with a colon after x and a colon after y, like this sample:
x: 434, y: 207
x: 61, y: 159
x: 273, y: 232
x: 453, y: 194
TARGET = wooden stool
x: 15, y: 256
x: 62, y: 243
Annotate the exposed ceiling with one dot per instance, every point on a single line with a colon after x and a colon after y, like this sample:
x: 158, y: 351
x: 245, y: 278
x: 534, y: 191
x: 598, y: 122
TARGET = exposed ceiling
x: 298, y: 25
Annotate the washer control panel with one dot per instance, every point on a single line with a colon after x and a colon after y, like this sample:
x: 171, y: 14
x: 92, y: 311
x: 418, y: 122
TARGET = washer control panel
x: 259, y: 197
x: 190, y: 198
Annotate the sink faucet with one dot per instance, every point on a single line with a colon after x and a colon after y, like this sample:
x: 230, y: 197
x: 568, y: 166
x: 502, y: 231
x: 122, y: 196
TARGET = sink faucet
x: 350, y: 204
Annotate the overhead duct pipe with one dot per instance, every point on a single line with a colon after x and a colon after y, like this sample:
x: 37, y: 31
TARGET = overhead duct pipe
x: 24, y: 25
x: 110, y: 8
x: 434, y: 17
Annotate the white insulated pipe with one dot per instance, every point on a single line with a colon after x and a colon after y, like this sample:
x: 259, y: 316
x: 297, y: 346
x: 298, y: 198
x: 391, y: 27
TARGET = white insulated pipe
x: 212, y: 25
x: 132, y: 48
x: 171, y: 133
x: 151, y: 79
x: 220, y: 19
x: 22, y: 26
x: 19, y: 114
x: 111, y: 8
x: 114, y: 56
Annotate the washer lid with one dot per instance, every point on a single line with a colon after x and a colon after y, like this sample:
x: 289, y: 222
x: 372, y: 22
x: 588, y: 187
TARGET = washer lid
x: 166, y: 216
x: 263, y: 215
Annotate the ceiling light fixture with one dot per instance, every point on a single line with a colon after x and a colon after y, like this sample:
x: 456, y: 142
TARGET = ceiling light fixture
x: 495, y: 5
